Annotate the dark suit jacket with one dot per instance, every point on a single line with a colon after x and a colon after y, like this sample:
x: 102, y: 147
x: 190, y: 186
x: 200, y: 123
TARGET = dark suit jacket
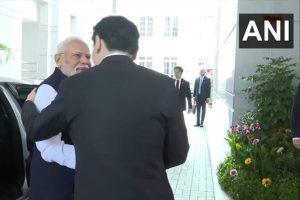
x: 296, y: 115
x: 185, y: 92
x: 127, y: 128
x: 205, y: 89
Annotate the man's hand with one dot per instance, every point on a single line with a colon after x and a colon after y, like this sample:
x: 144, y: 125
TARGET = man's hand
x: 194, y: 99
x: 31, y: 95
x: 207, y: 100
x: 296, y: 143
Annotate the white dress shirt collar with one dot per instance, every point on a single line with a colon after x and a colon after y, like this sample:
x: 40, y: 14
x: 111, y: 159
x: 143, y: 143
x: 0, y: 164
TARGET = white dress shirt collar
x: 114, y: 53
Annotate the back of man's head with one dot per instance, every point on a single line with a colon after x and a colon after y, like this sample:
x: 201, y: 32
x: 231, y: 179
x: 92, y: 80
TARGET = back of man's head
x: 118, y: 33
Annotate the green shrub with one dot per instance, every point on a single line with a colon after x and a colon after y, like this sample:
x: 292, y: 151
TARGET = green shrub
x: 272, y: 92
x: 263, y: 164
x: 247, y: 185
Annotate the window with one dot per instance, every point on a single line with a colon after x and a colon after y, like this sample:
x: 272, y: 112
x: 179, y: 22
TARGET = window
x: 142, y: 26
x: 146, y: 26
x: 169, y: 64
x: 146, y: 62
x: 171, y: 26
x: 73, y: 26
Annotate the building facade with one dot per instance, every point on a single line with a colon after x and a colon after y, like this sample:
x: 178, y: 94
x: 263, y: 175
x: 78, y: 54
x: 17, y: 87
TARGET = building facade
x: 232, y: 62
x: 190, y: 33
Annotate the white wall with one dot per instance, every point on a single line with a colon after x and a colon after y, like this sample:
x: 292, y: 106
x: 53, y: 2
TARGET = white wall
x: 33, y: 28
x: 226, y: 56
x: 10, y: 35
x: 248, y: 59
x: 12, y: 15
x: 234, y: 63
x: 29, y: 50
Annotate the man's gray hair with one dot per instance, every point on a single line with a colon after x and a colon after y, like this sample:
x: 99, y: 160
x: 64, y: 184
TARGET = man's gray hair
x: 61, y: 46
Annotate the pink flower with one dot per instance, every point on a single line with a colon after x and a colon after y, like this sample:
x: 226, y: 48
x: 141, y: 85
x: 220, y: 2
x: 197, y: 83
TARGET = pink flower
x: 233, y: 172
x: 257, y: 126
x: 252, y: 127
x: 246, y: 132
x: 235, y: 128
x: 240, y: 128
x: 255, y: 141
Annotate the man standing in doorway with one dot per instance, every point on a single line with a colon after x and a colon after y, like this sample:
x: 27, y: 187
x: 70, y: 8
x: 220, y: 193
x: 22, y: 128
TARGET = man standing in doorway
x: 183, y: 87
x: 295, y: 120
x: 201, y: 94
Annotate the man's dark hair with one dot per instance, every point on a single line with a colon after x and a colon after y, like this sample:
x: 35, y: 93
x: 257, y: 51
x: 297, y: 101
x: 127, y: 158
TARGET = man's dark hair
x: 179, y: 68
x: 118, y: 33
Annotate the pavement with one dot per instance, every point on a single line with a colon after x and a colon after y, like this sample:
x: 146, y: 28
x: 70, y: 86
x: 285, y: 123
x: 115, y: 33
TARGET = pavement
x: 196, y: 179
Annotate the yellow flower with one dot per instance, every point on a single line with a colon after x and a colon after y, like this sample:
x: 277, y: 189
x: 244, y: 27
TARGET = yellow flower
x: 248, y: 161
x: 238, y: 146
x: 266, y: 182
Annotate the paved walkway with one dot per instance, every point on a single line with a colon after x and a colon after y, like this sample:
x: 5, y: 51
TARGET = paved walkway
x: 196, y: 178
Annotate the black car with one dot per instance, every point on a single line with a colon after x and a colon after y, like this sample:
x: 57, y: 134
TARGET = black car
x: 13, y: 146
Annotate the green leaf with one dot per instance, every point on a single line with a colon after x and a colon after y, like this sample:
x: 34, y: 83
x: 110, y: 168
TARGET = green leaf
x: 7, y: 52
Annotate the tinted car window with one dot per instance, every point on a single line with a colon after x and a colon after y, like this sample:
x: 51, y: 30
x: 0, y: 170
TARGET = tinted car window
x: 12, y: 140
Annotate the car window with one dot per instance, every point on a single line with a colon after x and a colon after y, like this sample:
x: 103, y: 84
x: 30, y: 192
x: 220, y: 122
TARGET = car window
x: 11, y: 154
x: 20, y: 91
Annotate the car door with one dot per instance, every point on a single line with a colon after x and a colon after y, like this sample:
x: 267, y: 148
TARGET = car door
x: 13, y: 147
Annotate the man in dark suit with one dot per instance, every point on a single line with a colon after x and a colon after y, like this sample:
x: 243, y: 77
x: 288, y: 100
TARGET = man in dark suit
x: 183, y: 87
x: 201, y: 94
x: 296, y: 120
x: 51, y: 177
x: 125, y: 121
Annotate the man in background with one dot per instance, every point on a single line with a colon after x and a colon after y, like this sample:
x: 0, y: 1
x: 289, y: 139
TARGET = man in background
x: 53, y: 160
x: 183, y: 87
x: 201, y: 94
x: 296, y: 120
x: 125, y: 121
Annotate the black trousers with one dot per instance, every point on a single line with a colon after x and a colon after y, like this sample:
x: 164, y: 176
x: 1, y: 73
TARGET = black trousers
x: 49, y: 180
x: 201, y: 105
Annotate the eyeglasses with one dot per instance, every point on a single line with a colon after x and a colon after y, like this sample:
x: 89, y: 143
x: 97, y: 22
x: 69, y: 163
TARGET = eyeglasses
x: 79, y: 55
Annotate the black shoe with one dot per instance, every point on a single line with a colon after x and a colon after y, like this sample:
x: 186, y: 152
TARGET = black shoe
x: 197, y: 125
x: 201, y: 125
